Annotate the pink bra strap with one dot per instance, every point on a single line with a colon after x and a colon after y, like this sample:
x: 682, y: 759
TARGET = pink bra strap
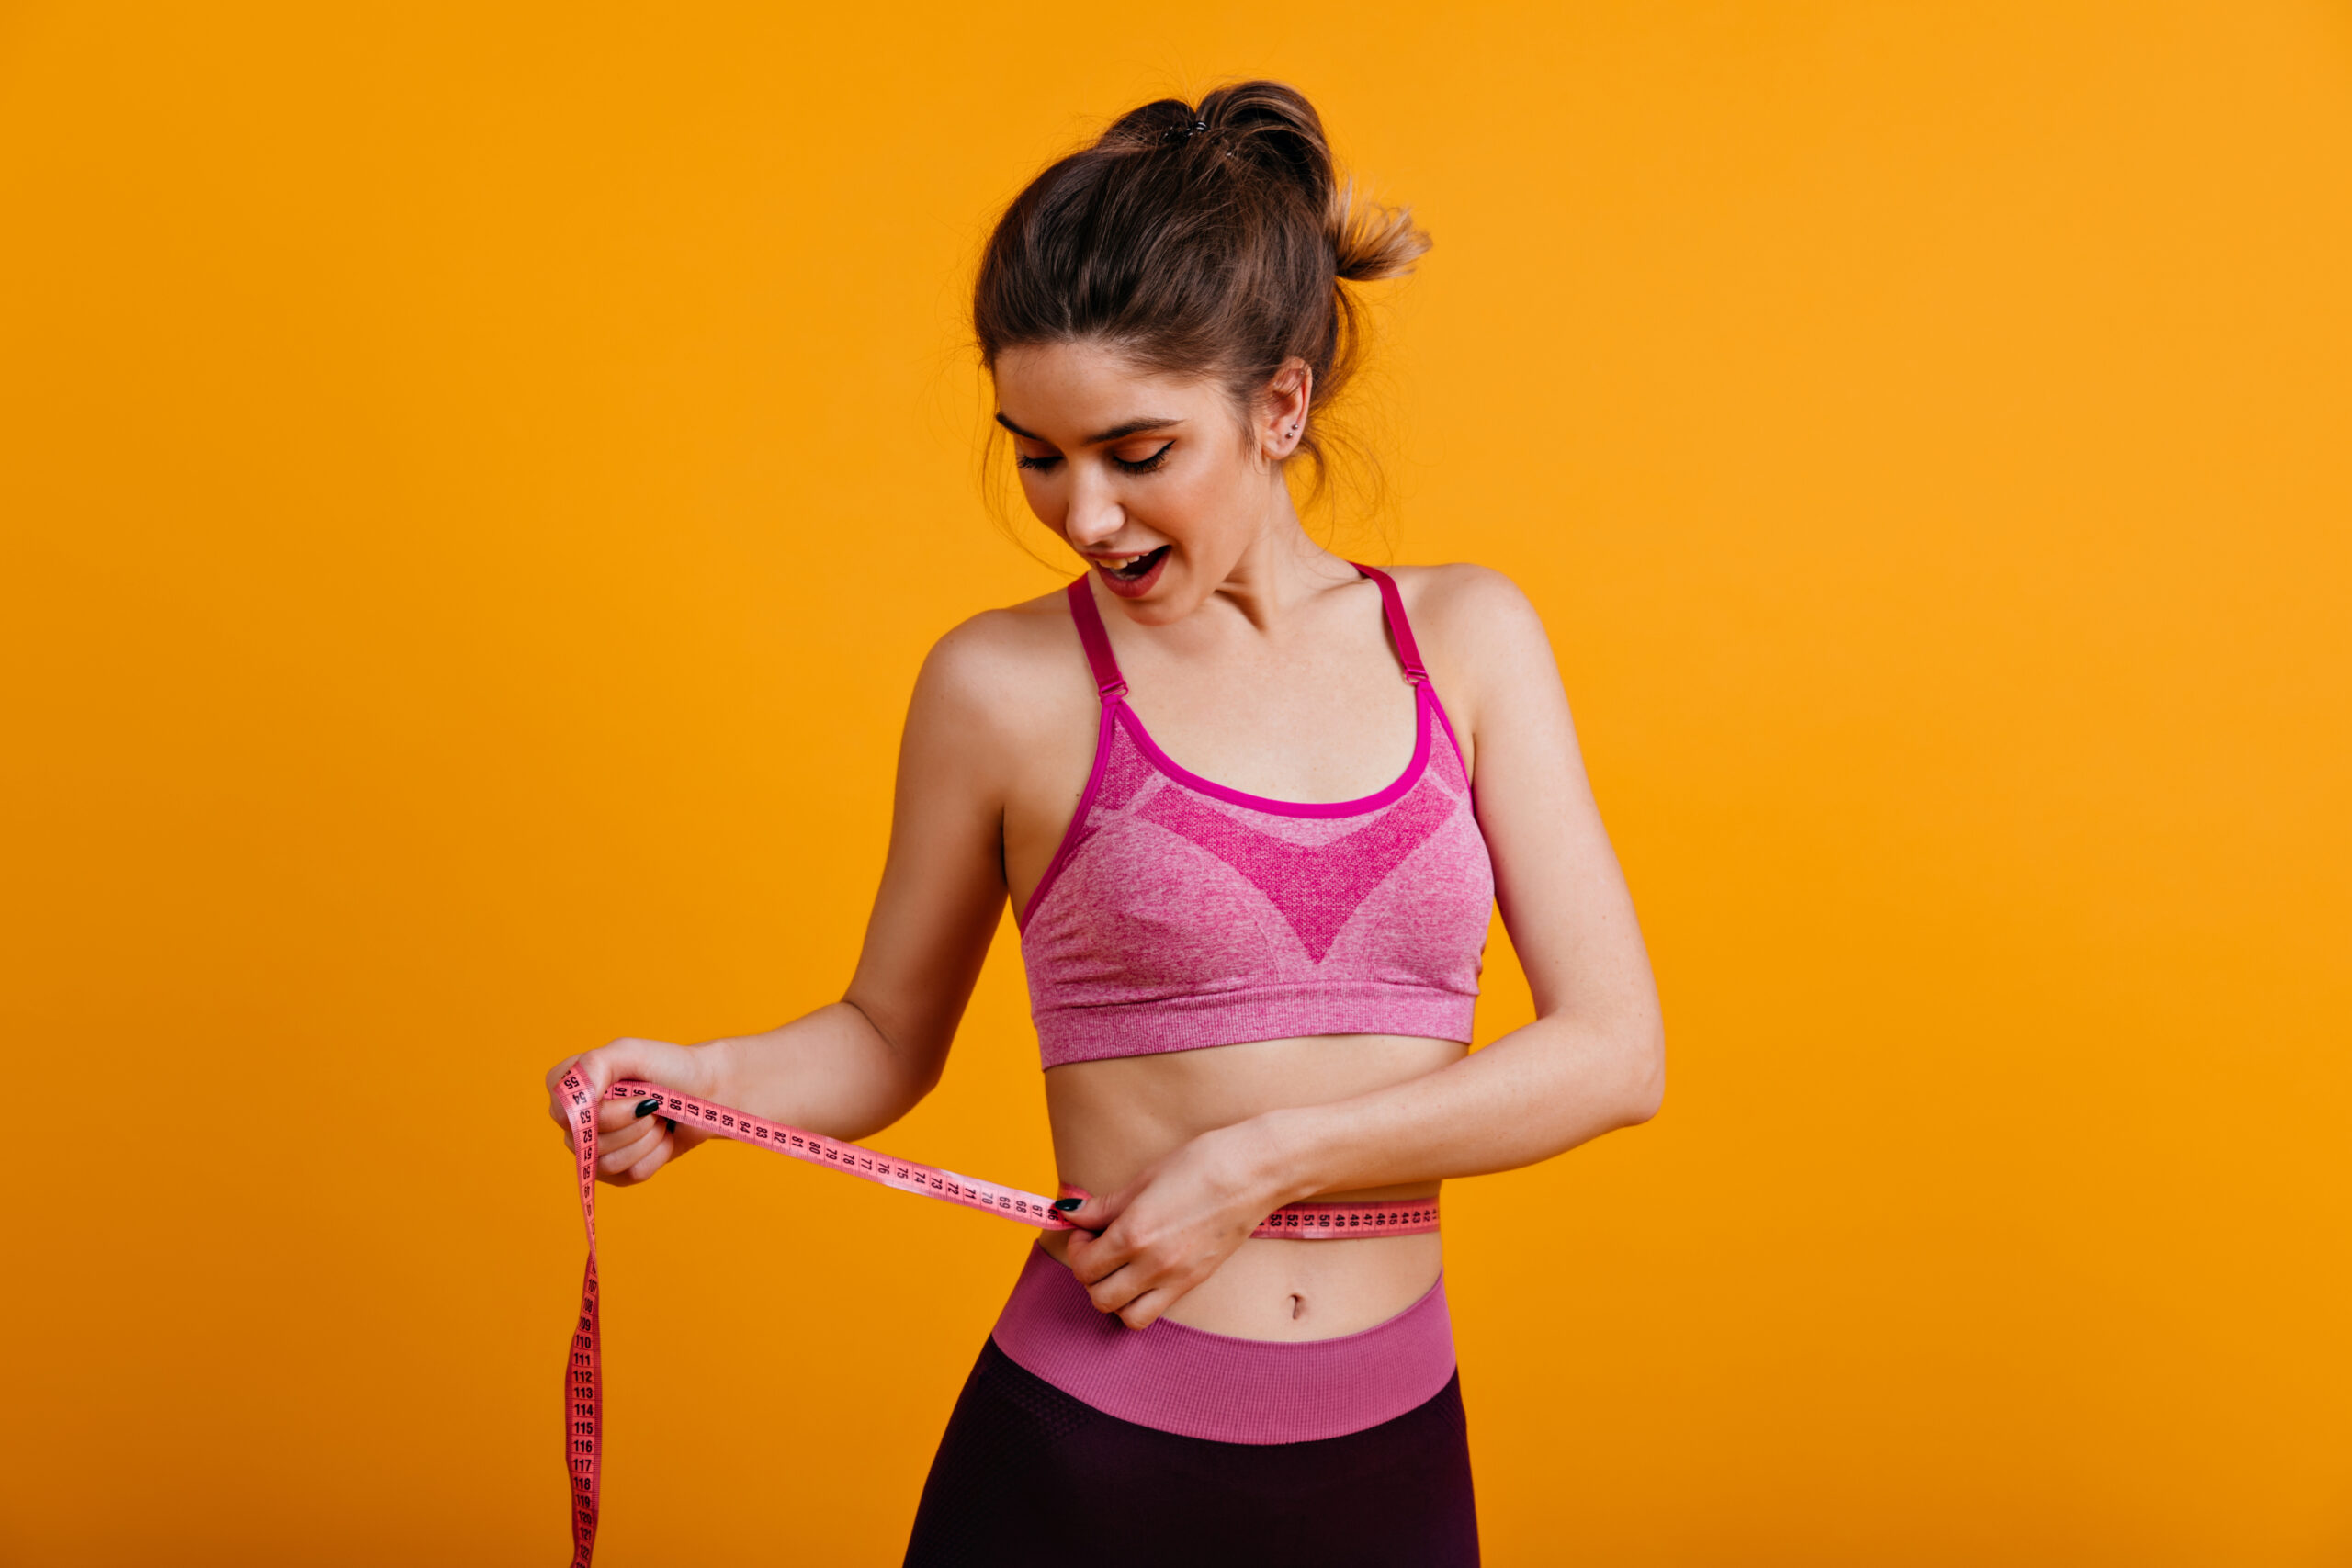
x: 1096, y: 641
x: 1392, y: 603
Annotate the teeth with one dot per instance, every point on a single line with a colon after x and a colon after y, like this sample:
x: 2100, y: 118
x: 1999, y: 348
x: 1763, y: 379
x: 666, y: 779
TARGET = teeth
x: 1120, y: 563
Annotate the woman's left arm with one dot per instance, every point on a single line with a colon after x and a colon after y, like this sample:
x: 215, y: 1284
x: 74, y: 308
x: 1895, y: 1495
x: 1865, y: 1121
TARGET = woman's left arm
x: 1594, y: 1059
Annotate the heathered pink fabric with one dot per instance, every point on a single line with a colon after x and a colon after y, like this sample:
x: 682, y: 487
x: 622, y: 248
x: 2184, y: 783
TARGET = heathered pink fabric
x: 1212, y: 1385
x: 1180, y: 914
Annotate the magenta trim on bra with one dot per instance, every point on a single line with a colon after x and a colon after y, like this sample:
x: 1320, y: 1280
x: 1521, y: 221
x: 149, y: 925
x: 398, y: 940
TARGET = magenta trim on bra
x: 1177, y: 913
x: 1068, y: 846
x: 1455, y: 741
x: 1425, y: 700
x: 1228, y: 1389
x: 1422, y: 697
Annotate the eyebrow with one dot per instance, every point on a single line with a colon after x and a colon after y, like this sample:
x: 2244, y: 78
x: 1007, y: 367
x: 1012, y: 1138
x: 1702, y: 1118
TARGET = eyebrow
x: 1116, y: 432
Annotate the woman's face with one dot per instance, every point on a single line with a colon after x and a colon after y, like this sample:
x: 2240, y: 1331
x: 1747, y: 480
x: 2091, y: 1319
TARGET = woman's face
x: 1152, y: 479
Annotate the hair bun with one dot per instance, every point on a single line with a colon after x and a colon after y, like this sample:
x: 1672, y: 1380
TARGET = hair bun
x: 1278, y: 129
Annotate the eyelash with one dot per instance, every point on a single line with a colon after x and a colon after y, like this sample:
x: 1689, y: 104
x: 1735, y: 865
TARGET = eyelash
x: 1144, y: 467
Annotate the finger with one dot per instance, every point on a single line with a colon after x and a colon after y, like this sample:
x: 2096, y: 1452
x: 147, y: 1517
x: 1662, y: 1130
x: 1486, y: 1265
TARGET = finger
x: 593, y: 1078
x: 650, y: 1161
x: 1083, y: 1209
x: 1144, y: 1310
x: 1114, y: 1291
x: 1118, y: 1269
x: 559, y: 1105
x: 1095, y: 1257
x: 609, y: 1127
x: 625, y: 1148
x: 613, y: 1115
x: 671, y: 1139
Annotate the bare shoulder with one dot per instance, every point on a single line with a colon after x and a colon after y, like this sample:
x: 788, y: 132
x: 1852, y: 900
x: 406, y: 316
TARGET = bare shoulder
x: 1002, y: 673
x: 1491, y: 661
x: 1474, y: 625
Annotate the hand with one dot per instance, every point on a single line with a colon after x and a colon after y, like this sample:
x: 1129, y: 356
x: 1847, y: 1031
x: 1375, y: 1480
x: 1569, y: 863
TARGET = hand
x: 1140, y: 1250
x: 630, y: 1147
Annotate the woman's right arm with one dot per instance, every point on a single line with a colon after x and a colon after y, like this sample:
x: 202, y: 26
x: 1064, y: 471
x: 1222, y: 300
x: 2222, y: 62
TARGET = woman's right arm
x: 854, y: 1066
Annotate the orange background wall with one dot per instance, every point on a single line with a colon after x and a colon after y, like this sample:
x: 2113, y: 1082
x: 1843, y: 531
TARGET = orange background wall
x: 478, y: 481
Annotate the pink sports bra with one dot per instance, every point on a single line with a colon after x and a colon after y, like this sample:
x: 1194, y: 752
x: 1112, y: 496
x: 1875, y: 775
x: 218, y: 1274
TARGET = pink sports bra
x: 1179, y: 914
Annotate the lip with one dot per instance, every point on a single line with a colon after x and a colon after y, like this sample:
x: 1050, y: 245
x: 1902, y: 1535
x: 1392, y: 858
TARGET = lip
x: 1126, y: 588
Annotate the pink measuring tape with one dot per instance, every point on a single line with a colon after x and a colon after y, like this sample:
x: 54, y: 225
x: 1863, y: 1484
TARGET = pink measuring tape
x: 584, y: 1381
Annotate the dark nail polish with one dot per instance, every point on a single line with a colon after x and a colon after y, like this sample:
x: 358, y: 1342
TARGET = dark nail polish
x: 1068, y: 1205
x: 648, y: 1105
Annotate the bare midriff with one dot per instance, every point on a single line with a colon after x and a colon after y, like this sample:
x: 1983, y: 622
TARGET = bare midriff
x: 1113, y: 1118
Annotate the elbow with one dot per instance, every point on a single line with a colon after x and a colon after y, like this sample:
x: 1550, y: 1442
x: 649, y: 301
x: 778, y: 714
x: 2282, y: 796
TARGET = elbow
x: 919, y: 1073
x: 1644, y: 1081
x: 911, y: 1060
x: 920, y: 1065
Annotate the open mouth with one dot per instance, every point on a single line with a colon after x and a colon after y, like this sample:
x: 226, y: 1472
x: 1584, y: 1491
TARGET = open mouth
x: 1135, y: 568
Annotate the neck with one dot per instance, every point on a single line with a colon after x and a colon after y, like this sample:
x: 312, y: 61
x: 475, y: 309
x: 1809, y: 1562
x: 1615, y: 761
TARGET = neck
x: 1280, y: 569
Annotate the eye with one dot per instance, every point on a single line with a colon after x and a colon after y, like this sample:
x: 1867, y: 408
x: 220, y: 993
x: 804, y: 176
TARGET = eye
x: 1023, y: 460
x: 1143, y: 465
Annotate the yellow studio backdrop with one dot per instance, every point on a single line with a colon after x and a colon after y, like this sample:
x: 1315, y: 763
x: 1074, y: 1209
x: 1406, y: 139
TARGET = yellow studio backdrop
x: 478, y: 481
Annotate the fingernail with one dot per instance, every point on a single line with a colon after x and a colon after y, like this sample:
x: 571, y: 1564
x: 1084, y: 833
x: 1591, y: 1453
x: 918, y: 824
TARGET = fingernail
x: 1070, y: 1205
x: 648, y: 1105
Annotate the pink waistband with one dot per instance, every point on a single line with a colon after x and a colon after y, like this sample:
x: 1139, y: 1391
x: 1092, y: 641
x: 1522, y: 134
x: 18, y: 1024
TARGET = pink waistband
x: 1200, y: 1384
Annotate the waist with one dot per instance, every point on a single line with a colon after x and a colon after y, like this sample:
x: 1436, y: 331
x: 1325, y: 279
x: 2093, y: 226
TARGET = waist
x: 1113, y: 1118
x: 1223, y: 1387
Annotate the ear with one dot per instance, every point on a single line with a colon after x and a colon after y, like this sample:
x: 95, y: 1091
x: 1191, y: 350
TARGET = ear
x: 1282, y: 415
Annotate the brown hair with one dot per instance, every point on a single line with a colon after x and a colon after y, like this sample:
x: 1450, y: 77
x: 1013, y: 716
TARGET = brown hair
x: 1212, y: 241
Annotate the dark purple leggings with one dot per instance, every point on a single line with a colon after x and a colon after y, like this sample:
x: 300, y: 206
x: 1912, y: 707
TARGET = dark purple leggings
x: 1028, y: 1477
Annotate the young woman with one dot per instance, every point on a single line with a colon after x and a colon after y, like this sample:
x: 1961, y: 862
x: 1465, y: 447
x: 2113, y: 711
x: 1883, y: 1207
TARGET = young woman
x: 1252, y: 970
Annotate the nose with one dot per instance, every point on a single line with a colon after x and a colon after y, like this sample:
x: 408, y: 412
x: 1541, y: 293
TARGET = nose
x: 1094, y: 516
